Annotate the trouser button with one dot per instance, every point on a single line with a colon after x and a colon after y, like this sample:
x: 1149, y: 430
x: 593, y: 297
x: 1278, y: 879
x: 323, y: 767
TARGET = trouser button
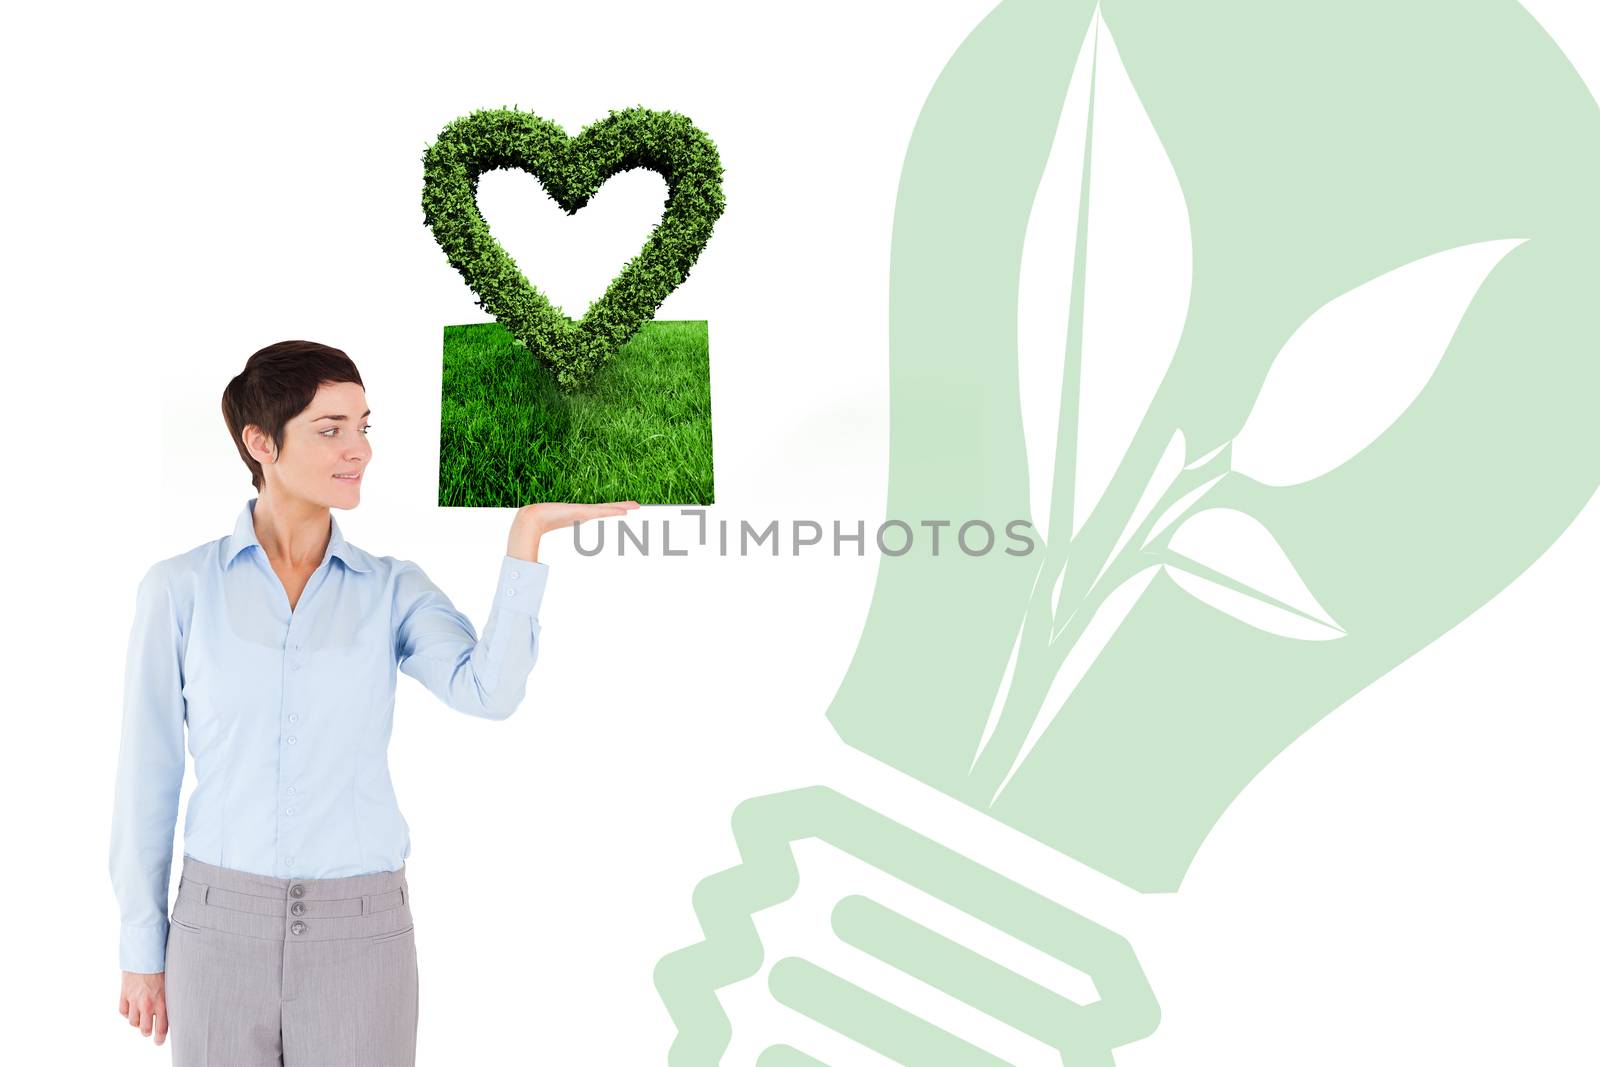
x: 297, y: 890
x: 298, y: 907
x: 298, y: 927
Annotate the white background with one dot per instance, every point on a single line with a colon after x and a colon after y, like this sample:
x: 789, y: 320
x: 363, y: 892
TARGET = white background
x: 185, y: 186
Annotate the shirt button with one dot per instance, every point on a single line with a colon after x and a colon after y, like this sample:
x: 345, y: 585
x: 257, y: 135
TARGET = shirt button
x: 511, y: 592
x: 294, y: 716
x: 298, y: 927
x: 291, y: 789
x: 294, y: 666
x: 289, y: 811
x: 291, y: 740
x: 513, y: 574
x: 291, y: 860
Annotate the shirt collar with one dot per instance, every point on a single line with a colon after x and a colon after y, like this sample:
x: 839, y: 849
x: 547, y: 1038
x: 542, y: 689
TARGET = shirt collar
x: 244, y: 535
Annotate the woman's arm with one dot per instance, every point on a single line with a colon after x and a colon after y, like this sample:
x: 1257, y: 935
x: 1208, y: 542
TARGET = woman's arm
x: 149, y: 776
x: 437, y: 645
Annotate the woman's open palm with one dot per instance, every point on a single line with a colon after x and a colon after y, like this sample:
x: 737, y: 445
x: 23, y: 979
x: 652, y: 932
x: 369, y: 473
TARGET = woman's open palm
x: 535, y: 520
x: 554, y: 515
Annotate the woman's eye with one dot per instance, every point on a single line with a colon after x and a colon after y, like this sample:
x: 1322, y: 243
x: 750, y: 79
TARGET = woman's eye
x: 333, y: 431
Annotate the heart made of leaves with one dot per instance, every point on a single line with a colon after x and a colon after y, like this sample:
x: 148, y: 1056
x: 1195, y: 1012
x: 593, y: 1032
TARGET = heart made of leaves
x: 572, y: 169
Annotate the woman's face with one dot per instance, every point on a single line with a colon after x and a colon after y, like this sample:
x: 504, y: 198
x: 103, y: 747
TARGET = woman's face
x: 325, y: 441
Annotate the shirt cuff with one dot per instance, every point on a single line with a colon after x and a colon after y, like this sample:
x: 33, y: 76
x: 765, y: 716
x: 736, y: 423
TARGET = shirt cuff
x: 522, y: 584
x: 143, y: 949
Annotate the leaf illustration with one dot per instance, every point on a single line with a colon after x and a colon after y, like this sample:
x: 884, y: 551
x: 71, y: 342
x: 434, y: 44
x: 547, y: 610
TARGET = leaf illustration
x: 1116, y: 607
x: 1103, y: 292
x: 1248, y: 609
x: 1357, y: 363
x: 1237, y: 546
x: 1103, y: 288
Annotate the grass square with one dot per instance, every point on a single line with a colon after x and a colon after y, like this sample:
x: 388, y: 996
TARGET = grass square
x: 640, y: 430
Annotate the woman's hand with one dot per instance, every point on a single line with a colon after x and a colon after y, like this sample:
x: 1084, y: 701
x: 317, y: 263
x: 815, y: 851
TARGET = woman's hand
x: 537, y: 519
x: 144, y: 1002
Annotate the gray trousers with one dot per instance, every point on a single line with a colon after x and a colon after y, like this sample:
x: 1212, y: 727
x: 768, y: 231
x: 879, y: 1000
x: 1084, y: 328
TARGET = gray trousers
x: 298, y: 972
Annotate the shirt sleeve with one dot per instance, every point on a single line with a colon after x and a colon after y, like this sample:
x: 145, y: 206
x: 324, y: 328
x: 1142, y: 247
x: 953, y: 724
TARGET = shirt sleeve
x: 437, y: 645
x: 149, y: 776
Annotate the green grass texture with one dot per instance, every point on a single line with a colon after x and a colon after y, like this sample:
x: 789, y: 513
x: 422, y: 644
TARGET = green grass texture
x: 640, y: 430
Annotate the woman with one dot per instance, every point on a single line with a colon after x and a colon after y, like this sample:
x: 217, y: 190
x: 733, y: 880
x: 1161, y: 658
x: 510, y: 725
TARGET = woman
x: 277, y: 646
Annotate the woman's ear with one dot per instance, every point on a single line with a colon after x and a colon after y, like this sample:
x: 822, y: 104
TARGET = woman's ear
x: 259, y: 445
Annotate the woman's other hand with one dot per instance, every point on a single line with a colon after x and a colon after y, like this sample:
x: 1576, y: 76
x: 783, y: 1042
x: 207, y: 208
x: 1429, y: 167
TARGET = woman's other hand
x: 144, y: 1002
x: 537, y: 519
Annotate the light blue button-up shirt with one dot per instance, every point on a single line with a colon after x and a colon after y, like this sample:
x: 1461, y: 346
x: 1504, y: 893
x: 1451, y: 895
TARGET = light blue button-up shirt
x: 289, y: 711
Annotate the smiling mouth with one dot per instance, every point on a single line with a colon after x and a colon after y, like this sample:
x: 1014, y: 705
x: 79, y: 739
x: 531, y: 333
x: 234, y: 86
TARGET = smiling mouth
x: 348, y: 477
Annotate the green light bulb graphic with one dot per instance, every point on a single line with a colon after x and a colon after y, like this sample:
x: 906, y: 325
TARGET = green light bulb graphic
x: 1270, y: 318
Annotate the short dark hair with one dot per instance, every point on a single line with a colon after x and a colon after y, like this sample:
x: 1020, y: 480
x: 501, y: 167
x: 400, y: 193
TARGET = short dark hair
x: 278, y: 383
